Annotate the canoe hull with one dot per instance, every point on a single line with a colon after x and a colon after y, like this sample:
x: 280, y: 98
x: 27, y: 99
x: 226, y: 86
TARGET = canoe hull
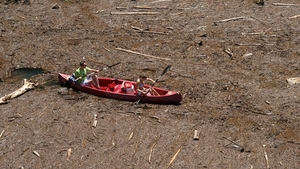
x: 166, y: 96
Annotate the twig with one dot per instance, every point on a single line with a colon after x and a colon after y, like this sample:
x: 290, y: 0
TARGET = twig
x: 106, y: 49
x: 3, y: 131
x: 293, y: 80
x: 282, y: 4
x: 120, y: 8
x: 129, y: 51
x: 258, y: 20
x: 143, y: 31
x: 151, y: 153
x: 257, y: 33
x: 196, y: 135
x: 293, y: 142
x: 130, y: 136
x: 134, y: 13
x: 228, y: 51
x: 249, y: 110
x: 156, y: 118
x: 232, y: 19
x: 148, y: 7
x: 137, y: 28
x: 36, y: 153
x: 242, y: 148
x: 266, y: 157
x: 161, y: 1
x: 95, y: 121
x: 69, y: 153
x: 174, y: 157
x: 258, y: 44
x: 142, y: 7
x: 153, y: 32
x: 293, y: 17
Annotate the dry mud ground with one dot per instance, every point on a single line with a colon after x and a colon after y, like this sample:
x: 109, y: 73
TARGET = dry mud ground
x: 232, y: 74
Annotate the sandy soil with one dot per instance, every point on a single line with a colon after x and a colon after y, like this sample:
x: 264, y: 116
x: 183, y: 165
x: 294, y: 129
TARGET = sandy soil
x: 230, y: 60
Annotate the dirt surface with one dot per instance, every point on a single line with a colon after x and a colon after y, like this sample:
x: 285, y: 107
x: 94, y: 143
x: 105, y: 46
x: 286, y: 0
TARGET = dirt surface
x: 232, y: 74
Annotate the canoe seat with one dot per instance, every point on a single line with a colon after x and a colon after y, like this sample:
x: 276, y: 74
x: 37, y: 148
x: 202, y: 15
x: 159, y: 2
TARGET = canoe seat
x: 113, y: 87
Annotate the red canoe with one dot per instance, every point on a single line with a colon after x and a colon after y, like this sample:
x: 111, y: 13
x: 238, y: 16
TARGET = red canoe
x: 112, y: 88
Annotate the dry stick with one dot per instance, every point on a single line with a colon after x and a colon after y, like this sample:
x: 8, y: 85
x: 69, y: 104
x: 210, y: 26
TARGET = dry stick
x: 161, y: 1
x: 282, y: 4
x: 129, y: 51
x: 36, y: 153
x: 69, y: 153
x: 241, y: 44
x: 130, y: 136
x: 3, y: 131
x: 232, y: 19
x: 291, y: 141
x: 258, y: 20
x: 106, y: 49
x: 142, y: 7
x: 293, y: 80
x: 148, y: 7
x: 266, y: 157
x: 151, y: 153
x: 95, y: 121
x: 174, y: 157
x: 160, y: 33
x: 242, y: 148
x: 135, y: 13
x: 143, y: 31
x: 137, y: 28
x: 228, y: 51
x: 257, y: 33
x: 293, y: 17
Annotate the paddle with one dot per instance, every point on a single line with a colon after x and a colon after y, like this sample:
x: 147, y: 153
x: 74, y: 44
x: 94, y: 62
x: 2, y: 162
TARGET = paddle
x: 165, y: 71
x: 71, y: 79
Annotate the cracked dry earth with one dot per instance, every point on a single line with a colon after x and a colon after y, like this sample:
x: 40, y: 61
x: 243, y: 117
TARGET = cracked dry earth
x: 230, y: 60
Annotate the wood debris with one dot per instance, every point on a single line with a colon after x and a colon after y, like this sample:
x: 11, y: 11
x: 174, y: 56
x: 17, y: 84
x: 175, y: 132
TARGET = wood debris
x: 293, y: 142
x: 293, y: 80
x: 161, y: 1
x: 69, y: 153
x: 130, y: 136
x: 134, y: 13
x: 156, y: 118
x: 26, y: 87
x: 36, y: 153
x: 232, y: 19
x: 129, y: 51
x: 113, y: 143
x: 257, y: 33
x: 294, y: 17
x: 55, y: 6
x: 150, y: 155
x: 258, y: 44
x: 3, y: 131
x: 247, y: 54
x: 174, y: 157
x: 235, y: 145
x: 228, y: 51
x: 259, y: 2
x: 282, y: 4
x: 266, y: 157
x: 146, y: 31
x: 148, y: 7
x: 196, y: 135
x: 95, y: 121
